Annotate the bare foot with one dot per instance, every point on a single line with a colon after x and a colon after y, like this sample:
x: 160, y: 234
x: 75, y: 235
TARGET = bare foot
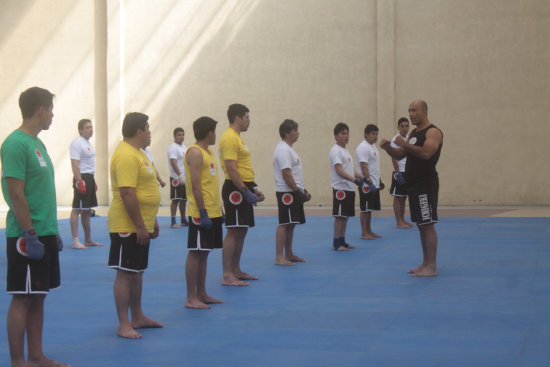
x: 295, y: 259
x: 233, y: 281
x: 403, y: 225
x: 283, y: 262
x: 348, y: 246
x: 374, y: 235
x: 195, y: 303
x: 341, y: 248
x: 244, y: 276
x: 145, y: 323
x: 128, y: 333
x: 175, y: 226
x: 45, y: 362
x: 209, y: 300
x: 417, y: 269
x: 426, y: 272
x: 78, y: 246
x: 93, y: 243
x: 368, y: 237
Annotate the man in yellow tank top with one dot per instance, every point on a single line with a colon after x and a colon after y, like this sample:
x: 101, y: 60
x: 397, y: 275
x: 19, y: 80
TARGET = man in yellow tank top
x: 204, y: 211
x: 239, y: 193
x: 132, y: 221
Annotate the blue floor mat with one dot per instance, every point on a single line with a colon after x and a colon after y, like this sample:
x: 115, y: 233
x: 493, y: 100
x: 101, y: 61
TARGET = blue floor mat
x: 488, y: 307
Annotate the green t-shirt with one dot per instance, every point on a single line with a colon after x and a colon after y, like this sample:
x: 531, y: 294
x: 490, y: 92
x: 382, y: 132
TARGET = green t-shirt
x: 25, y: 157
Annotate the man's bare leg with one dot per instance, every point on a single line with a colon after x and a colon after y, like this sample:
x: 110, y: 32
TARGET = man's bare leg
x: 201, y: 285
x: 428, y: 238
x: 139, y: 320
x: 340, y: 224
x: 16, y: 325
x: 74, y: 229
x: 281, y: 237
x: 237, y: 261
x: 399, y: 211
x: 193, y: 279
x: 366, y: 232
x: 85, y: 220
x: 173, y: 210
x: 122, y: 290
x: 289, y: 253
x: 232, y: 237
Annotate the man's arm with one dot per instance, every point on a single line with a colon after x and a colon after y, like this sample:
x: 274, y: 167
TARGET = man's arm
x: 430, y: 147
x: 365, y: 170
x: 340, y: 171
x: 233, y: 173
x: 395, y: 164
x: 75, y: 166
x: 131, y: 204
x: 194, y: 159
x: 289, y: 179
x: 395, y: 153
x: 174, y: 163
x: 16, y: 192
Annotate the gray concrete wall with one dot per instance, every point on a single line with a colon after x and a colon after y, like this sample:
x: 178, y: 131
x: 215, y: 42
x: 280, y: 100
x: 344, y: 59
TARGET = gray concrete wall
x: 481, y: 66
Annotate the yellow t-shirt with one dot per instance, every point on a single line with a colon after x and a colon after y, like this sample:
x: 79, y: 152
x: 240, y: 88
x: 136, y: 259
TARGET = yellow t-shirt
x: 130, y: 167
x: 209, y: 186
x: 233, y: 147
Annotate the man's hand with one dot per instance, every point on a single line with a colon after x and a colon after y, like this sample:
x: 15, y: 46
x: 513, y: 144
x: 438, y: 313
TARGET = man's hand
x: 35, y: 248
x: 399, y: 141
x: 206, y: 222
x: 142, y: 235
x: 250, y: 197
x: 156, y: 231
x: 81, y: 186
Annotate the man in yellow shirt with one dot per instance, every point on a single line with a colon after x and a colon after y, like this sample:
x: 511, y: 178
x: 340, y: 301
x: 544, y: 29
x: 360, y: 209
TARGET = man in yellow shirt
x: 132, y: 221
x: 204, y: 210
x: 239, y: 193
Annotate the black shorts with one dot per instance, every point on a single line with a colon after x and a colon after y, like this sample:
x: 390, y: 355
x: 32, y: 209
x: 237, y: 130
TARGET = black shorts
x: 343, y: 203
x: 370, y: 201
x: 202, y: 239
x: 238, y: 213
x: 126, y: 254
x: 398, y: 189
x: 423, y: 204
x: 27, y: 276
x: 88, y: 199
x: 291, y: 211
x: 177, y: 191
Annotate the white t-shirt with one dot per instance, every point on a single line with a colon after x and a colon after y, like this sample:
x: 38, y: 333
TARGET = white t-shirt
x: 148, y: 154
x: 369, y: 154
x: 402, y: 162
x: 177, y: 152
x: 82, y: 150
x: 284, y: 157
x: 339, y: 155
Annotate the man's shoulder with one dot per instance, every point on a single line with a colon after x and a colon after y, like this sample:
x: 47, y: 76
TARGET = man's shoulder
x: 17, y: 140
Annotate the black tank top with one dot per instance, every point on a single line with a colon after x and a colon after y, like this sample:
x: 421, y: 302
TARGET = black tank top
x: 420, y: 171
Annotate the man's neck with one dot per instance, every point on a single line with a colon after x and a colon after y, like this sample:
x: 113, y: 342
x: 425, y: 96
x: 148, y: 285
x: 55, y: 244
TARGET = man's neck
x: 424, y: 124
x: 235, y: 128
x: 288, y: 142
x: 133, y: 142
x: 31, y: 127
x: 203, y: 144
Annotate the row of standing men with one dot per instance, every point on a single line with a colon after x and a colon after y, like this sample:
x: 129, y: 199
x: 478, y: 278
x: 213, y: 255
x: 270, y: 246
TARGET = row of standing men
x: 33, y: 241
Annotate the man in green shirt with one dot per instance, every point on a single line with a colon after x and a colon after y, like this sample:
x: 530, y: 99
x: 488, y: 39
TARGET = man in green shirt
x: 31, y: 227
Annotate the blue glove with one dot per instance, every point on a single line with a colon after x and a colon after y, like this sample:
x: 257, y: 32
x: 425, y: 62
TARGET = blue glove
x: 206, y: 222
x: 35, y: 248
x: 399, y: 178
x: 371, y: 187
x: 59, y: 243
x: 250, y: 197
x: 358, y: 182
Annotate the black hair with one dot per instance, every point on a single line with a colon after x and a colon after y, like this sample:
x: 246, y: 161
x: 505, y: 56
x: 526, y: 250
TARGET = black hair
x: 402, y: 119
x: 202, y: 126
x: 286, y: 127
x: 83, y: 122
x: 235, y: 110
x: 132, y: 122
x: 178, y: 130
x: 370, y: 128
x: 340, y: 127
x: 32, y: 99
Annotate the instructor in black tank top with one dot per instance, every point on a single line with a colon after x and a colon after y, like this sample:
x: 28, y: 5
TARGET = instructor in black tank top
x: 422, y: 150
